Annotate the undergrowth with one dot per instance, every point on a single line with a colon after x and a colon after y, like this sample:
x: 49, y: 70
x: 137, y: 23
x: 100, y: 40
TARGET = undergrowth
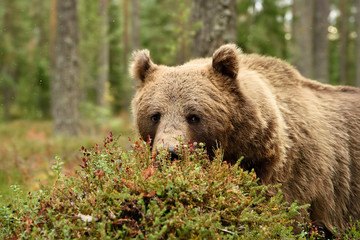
x: 121, y: 194
x: 28, y: 149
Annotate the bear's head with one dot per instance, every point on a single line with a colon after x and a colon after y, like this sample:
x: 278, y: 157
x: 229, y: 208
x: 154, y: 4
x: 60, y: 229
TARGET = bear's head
x: 194, y: 101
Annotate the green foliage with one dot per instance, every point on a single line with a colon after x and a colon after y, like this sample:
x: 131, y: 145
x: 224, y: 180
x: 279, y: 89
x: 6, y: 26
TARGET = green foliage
x: 262, y: 30
x: 136, y: 194
x: 353, y: 230
x: 24, y: 65
x: 120, y: 84
x: 169, y: 29
x: 89, y: 27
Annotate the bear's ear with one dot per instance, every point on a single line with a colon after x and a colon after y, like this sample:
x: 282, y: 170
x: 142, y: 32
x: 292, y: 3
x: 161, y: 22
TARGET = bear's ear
x: 225, y: 60
x: 141, y: 64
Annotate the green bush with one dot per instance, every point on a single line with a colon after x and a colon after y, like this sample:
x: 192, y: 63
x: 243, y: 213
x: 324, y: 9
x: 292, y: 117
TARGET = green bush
x: 138, y: 194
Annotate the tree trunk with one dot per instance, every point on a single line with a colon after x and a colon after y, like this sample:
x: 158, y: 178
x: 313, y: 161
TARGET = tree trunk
x: 6, y: 90
x: 7, y: 101
x: 135, y: 29
x: 184, y: 33
x: 53, y: 27
x: 343, y: 4
x: 302, y: 35
x: 103, y: 72
x: 65, y: 86
x: 8, y: 59
x: 218, y: 25
x: 126, y: 33
x: 357, y: 66
x: 321, y: 43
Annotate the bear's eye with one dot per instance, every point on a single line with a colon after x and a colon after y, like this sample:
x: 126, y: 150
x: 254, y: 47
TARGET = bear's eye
x: 155, y: 118
x: 193, y: 119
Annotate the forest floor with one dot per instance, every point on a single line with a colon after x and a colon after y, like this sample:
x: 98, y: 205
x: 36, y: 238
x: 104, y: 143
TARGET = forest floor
x: 28, y: 150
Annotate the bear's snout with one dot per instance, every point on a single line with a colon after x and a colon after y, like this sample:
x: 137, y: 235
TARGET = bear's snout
x: 173, y: 154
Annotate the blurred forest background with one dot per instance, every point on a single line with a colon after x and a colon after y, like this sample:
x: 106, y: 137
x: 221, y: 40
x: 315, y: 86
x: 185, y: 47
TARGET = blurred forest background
x: 64, y: 63
x: 85, y: 46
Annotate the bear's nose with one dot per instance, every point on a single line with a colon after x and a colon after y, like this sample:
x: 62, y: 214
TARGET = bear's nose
x: 173, y: 154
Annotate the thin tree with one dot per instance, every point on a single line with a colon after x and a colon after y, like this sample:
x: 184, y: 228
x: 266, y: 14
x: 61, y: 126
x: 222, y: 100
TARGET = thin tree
x: 103, y: 71
x: 343, y: 34
x: 135, y: 37
x: 217, y: 21
x: 125, y: 33
x: 7, y: 71
x: 135, y: 25
x: 64, y: 86
x: 184, y: 32
x: 126, y: 94
x: 321, y: 43
x: 52, y: 38
x: 302, y: 32
x: 357, y: 43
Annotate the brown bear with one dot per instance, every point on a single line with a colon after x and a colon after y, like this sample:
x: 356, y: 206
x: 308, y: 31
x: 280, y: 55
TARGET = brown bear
x: 290, y: 130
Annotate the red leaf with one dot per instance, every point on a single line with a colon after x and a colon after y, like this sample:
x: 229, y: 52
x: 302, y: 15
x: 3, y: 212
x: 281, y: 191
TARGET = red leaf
x: 151, y: 194
x: 128, y: 184
x: 149, y: 172
x: 99, y: 173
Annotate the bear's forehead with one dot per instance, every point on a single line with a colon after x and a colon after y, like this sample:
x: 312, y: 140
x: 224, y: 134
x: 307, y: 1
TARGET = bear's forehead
x: 176, y: 87
x: 173, y: 89
x: 184, y: 86
x: 177, y: 81
x: 181, y: 73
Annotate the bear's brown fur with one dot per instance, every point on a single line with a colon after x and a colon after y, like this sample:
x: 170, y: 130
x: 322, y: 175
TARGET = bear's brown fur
x: 291, y: 130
